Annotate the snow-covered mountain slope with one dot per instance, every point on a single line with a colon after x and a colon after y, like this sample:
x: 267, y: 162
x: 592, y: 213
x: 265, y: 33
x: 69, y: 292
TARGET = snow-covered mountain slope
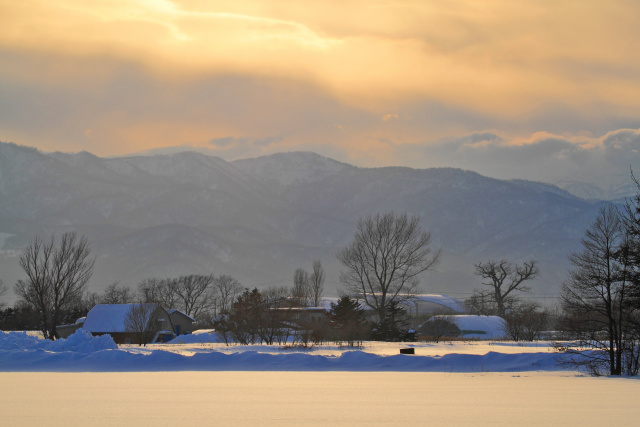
x: 260, y: 219
x: 286, y: 169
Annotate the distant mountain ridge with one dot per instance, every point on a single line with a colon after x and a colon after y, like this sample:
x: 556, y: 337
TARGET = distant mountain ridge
x: 260, y: 219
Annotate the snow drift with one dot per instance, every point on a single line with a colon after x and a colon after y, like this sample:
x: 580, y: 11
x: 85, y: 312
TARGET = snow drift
x: 82, y: 352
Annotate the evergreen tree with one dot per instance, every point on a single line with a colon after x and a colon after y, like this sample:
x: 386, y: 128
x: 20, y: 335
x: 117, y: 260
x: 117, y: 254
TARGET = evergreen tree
x: 349, y: 320
x: 393, y: 327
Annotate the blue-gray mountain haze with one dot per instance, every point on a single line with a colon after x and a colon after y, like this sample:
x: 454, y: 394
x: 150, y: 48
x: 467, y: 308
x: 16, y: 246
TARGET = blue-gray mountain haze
x: 260, y: 219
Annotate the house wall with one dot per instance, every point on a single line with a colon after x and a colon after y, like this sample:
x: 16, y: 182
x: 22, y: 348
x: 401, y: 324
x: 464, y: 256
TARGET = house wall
x: 310, y: 316
x: 185, y: 324
x: 162, y: 320
x: 120, y: 337
x: 64, y: 331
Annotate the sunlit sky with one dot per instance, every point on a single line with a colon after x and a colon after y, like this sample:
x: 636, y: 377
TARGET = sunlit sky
x: 416, y: 83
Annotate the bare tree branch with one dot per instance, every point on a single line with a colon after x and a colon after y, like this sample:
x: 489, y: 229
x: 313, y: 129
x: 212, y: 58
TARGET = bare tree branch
x: 117, y: 294
x: 316, y: 282
x: 385, y: 259
x: 505, y: 278
x: 56, y: 277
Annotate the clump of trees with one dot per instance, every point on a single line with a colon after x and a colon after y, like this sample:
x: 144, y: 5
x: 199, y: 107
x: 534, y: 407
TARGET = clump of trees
x: 526, y: 322
x: 20, y: 317
x: 202, y: 297
x: 255, y: 318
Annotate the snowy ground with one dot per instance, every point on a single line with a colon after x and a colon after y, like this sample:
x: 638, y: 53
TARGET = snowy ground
x: 316, y: 398
x: 89, y: 381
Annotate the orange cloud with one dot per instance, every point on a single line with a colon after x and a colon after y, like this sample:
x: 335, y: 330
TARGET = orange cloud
x: 443, y: 68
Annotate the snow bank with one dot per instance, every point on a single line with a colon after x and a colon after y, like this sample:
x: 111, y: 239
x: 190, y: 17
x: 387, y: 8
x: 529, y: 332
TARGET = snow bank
x: 81, y: 342
x: 82, y: 352
x: 356, y: 361
x: 196, y: 338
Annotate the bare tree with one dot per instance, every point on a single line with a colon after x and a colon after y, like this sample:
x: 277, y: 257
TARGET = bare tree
x: 505, y: 279
x: 301, y: 291
x: 3, y: 290
x: 160, y: 291
x: 316, y: 282
x: 385, y: 259
x: 91, y: 299
x: 149, y: 290
x: 277, y: 295
x: 481, y: 302
x: 595, y: 298
x: 227, y: 289
x: 141, y: 322
x: 57, y: 275
x: 195, y: 294
x: 117, y: 294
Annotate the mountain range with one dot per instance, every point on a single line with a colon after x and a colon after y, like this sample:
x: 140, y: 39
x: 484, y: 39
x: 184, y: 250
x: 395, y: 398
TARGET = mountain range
x: 260, y: 219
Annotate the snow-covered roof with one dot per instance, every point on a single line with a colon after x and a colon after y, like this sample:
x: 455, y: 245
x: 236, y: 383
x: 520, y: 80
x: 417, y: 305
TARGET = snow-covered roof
x: 326, y: 302
x: 108, y: 317
x: 451, y: 303
x: 492, y: 326
x: 174, y: 310
x: 305, y: 309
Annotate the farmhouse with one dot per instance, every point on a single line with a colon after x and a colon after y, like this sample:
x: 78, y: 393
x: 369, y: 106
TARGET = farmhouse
x: 112, y: 319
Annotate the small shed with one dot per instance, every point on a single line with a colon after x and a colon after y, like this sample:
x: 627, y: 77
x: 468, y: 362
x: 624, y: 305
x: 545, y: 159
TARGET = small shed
x: 182, y: 323
x: 111, y: 319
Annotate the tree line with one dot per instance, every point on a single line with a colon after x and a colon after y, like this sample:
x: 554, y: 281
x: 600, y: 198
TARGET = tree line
x: 55, y: 289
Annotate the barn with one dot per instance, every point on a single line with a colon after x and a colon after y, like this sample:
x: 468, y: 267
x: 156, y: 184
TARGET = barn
x: 130, y: 323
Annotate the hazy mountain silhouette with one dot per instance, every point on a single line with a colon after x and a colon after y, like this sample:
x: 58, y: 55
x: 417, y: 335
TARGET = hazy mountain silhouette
x: 260, y: 219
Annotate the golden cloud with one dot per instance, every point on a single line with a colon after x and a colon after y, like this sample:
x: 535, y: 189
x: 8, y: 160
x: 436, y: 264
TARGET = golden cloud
x: 503, y: 60
x: 500, y: 56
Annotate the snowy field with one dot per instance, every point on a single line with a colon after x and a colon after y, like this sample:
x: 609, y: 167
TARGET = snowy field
x: 90, y: 381
x: 316, y: 398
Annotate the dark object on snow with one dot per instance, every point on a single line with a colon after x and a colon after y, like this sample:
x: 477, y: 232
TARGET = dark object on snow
x: 407, y: 351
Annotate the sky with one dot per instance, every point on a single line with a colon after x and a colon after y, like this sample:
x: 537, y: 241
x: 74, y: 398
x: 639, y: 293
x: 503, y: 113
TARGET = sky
x: 523, y: 89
